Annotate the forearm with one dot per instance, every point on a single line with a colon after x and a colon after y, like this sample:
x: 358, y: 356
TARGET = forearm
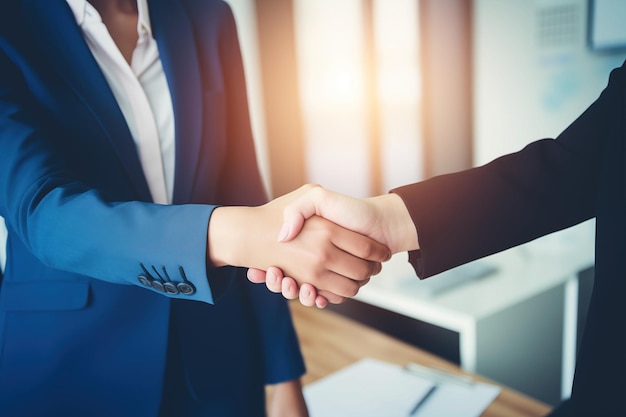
x: 229, y: 235
x: 286, y: 400
x: 82, y: 234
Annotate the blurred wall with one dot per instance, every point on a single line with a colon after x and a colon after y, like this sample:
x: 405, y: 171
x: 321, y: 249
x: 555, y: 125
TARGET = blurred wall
x: 534, y: 71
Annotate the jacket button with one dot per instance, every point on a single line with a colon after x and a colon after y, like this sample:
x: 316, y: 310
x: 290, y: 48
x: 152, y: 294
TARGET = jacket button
x: 158, y: 285
x: 186, y: 288
x: 144, y: 280
x: 170, y: 288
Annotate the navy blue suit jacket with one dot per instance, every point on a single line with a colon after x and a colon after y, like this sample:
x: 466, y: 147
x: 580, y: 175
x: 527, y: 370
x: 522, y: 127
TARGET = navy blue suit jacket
x: 80, y: 334
x: 548, y: 186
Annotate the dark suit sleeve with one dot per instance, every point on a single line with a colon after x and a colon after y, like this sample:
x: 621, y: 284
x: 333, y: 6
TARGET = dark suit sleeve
x: 547, y: 186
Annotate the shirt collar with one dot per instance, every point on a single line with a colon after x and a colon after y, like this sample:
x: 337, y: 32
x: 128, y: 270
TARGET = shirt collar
x: 79, y: 8
x: 85, y: 12
x: 144, y: 17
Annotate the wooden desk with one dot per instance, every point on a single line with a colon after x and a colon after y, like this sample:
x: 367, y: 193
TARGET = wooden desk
x: 331, y: 342
x: 519, y: 324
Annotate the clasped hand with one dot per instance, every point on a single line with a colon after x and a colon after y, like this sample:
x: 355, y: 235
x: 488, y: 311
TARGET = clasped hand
x: 366, y: 226
x: 316, y: 252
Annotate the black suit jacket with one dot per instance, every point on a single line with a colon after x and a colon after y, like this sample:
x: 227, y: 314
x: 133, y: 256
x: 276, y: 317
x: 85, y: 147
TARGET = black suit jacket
x: 548, y: 186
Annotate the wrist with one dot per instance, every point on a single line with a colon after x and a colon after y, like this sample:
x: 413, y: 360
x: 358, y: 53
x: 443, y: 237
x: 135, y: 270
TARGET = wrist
x: 397, y: 224
x: 244, y: 237
x: 226, y: 237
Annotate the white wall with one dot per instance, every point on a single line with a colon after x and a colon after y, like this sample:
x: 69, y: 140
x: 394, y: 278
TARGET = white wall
x: 532, y: 75
x: 332, y: 76
x: 330, y: 54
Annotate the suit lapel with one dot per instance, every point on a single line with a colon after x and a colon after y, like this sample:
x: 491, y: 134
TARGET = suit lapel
x: 68, y: 53
x: 173, y: 32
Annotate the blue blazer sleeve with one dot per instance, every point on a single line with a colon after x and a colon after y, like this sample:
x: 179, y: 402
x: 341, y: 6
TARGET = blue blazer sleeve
x: 73, y: 227
x: 71, y: 213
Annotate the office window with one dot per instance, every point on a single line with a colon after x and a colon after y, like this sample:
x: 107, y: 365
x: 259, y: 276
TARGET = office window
x: 359, y: 79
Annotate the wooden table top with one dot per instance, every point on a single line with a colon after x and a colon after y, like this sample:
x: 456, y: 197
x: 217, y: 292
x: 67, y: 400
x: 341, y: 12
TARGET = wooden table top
x: 330, y: 342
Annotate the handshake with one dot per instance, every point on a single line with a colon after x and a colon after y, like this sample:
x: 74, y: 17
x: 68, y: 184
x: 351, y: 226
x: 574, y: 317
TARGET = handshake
x: 312, y: 243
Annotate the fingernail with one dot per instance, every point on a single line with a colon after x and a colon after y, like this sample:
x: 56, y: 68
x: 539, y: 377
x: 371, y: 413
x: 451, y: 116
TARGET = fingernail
x: 284, y: 231
x: 270, y: 277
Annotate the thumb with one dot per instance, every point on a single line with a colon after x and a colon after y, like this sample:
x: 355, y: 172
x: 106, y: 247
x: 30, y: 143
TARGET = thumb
x: 291, y: 227
x: 297, y: 211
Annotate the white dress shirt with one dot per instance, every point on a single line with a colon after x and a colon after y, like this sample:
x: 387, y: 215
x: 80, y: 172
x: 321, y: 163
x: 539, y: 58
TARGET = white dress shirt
x: 142, y: 92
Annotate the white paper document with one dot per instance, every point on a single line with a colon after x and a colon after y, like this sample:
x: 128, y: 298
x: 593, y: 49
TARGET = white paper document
x: 372, y: 388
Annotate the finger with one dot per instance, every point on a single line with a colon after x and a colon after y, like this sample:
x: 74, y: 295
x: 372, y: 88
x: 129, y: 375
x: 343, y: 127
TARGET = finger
x: 330, y: 297
x: 361, y: 246
x: 273, y: 279
x: 320, y: 256
x: 353, y: 265
x: 308, y: 294
x: 299, y: 210
x: 289, y: 288
x: 256, y: 276
x: 334, y: 286
x: 335, y: 269
x: 337, y: 287
x: 321, y: 302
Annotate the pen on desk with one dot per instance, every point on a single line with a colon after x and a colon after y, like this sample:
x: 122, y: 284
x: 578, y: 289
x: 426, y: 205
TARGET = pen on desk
x: 439, y: 375
x: 423, y: 400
